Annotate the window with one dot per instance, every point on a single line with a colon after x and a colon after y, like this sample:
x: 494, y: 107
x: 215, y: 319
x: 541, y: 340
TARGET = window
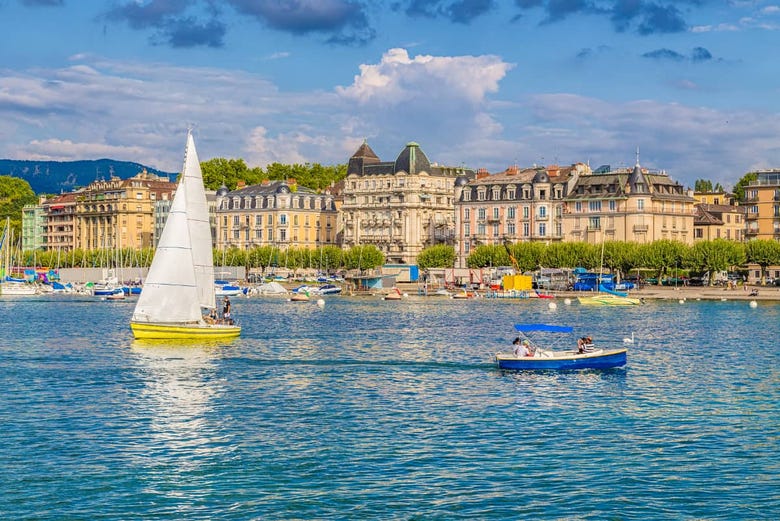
x: 526, y: 229
x: 612, y: 205
x: 282, y: 234
x: 295, y: 220
x: 495, y: 229
x: 481, y: 213
x: 526, y: 212
x: 466, y: 214
x: 542, y: 229
x: 510, y: 228
x: 594, y: 206
x: 481, y: 229
x: 282, y: 218
x: 236, y: 220
x: 594, y: 223
x: 259, y: 234
x: 258, y: 220
x: 640, y: 204
x: 510, y: 212
x: 542, y: 212
x: 542, y: 194
x: 495, y: 213
x: 139, y: 195
x: 698, y: 233
x: 466, y: 229
x: 578, y: 206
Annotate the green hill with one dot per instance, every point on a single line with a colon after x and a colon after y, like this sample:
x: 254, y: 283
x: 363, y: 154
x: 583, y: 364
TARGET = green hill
x: 54, y: 177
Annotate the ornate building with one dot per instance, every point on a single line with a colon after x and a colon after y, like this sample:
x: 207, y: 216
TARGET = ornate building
x: 719, y: 221
x: 119, y: 213
x: 514, y: 205
x: 762, y: 200
x: 636, y: 205
x: 275, y: 213
x: 400, y: 206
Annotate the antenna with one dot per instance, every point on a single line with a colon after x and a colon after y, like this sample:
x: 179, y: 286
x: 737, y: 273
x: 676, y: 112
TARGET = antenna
x: 637, y: 155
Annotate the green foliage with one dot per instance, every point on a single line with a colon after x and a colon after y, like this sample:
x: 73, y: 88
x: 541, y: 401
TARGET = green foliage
x: 714, y: 256
x: 764, y: 253
x: 703, y: 185
x: 620, y: 256
x: 314, y: 176
x: 662, y: 255
x: 439, y: 256
x: 14, y: 194
x: 528, y: 255
x: 228, y: 171
x: 739, y: 187
x: 488, y: 255
x: 363, y: 257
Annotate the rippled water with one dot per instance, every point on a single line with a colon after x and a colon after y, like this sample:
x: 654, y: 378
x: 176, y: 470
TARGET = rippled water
x: 388, y: 410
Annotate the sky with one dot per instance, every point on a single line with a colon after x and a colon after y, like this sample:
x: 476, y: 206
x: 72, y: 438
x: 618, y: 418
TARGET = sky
x: 694, y: 85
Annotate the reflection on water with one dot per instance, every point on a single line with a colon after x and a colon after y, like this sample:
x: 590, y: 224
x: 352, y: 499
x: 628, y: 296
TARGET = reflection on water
x: 180, y: 384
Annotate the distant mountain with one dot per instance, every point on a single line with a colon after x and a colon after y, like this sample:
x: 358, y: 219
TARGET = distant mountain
x: 54, y: 177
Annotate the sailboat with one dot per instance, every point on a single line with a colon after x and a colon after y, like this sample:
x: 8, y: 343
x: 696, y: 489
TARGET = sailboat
x: 180, y: 282
x: 605, y: 296
x: 8, y: 284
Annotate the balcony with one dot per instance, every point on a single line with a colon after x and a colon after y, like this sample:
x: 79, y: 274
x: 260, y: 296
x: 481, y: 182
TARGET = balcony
x: 640, y: 228
x: 493, y: 219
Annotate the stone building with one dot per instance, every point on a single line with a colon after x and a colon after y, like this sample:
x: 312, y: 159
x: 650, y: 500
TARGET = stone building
x: 119, y: 213
x: 400, y: 206
x: 719, y: 221
x: 636, y: 205
x: 60, y: 214
x: 275, y: 213
x: 516, y: 205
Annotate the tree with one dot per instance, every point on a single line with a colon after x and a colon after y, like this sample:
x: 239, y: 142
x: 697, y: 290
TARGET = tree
x: 714, y: 256
x: 620, y: 256
x: 487, y: 255
x: 528, y: 255
x: 219, y: 171
x: 363, y: 257
x: 314, y: 176
x: 14, y: 194
x: 439, y: 256
x: 703, y: 185
x: 764, y: 253
x: 662, y: 255
x: 739, y: 187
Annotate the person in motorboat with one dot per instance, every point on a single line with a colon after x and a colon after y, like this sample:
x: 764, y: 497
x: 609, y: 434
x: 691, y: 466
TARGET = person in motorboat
x: 522, y: 348
x: 584, y: 344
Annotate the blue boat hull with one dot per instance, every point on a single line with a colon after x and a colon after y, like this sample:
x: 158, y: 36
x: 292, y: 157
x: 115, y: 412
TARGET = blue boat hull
x: 603, y: 360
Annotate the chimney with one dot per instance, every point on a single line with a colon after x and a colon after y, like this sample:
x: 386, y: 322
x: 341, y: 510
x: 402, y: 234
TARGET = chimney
x: 240, y: 184
x: 482, y: 173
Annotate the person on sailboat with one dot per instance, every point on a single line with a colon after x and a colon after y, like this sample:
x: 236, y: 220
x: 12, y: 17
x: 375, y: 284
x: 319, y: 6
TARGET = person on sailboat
x: 226, y: 316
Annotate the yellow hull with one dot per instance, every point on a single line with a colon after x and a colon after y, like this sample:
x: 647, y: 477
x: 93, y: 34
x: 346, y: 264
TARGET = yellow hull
x: 609, y: 300
x: 144, y: 330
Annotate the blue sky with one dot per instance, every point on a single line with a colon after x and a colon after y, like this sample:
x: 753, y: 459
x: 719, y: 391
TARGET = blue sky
x: 695, y: 84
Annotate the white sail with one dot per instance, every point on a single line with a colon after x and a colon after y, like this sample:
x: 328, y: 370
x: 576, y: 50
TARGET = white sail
x: 181, y: 277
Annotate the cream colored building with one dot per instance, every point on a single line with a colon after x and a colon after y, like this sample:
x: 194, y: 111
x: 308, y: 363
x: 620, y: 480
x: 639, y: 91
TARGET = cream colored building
x: 275, y: 213
x: 400, y: 206
x: 719, y: 221
x: 636, y: 205
x: 516, y: 205
x: 762, y: 200
x: 119, y: 213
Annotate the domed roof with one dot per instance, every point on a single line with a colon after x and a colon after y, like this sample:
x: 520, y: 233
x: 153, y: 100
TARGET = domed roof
x: 283, y: 189
x: 541, y: 177
x: 412, y: 160
x: 461, y: 180
x: 222, y: 190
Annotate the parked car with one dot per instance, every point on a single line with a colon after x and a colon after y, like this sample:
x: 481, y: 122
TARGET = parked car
x: 696, y: 281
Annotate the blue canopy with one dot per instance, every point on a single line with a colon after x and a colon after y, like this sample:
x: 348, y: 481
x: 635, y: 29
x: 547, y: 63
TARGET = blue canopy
x: 543, y: 327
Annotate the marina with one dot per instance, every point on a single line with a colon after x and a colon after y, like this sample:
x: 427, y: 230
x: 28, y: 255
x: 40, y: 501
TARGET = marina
x: 359, y: 410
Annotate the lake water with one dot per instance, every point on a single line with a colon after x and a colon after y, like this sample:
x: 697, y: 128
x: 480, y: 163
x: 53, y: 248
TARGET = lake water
x: 367, y: 409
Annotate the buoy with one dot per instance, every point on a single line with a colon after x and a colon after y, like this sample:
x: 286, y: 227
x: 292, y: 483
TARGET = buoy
x: 567, y: 301
x: 552, y: 305
x: 320, y: 303
x: 753, y: 304
x: 723, y: 299
x: 681, y: 301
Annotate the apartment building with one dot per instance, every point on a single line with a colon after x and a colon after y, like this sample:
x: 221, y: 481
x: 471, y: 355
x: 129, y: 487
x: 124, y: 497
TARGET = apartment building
x: 762, y: 200
x: 400, y: 206
x: 637, y: 205
x: 275, y: 213
x: 119, y: 213
x: 516, y: 205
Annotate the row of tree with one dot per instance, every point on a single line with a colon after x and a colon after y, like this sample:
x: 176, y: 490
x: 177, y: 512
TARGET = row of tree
x: 622, y: 257
x: 219, y: 171
x: 615, y: 256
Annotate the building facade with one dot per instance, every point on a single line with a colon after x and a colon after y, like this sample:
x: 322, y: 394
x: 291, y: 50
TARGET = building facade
x: 516, y: 205
x: 719, y: 221
x: 400, y: 206
x: 119, y: 213
x: 275, y: 213
x: 635, y: 205
x: 762, y: 200
x: 33, y: 227
x: 60, y: 213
